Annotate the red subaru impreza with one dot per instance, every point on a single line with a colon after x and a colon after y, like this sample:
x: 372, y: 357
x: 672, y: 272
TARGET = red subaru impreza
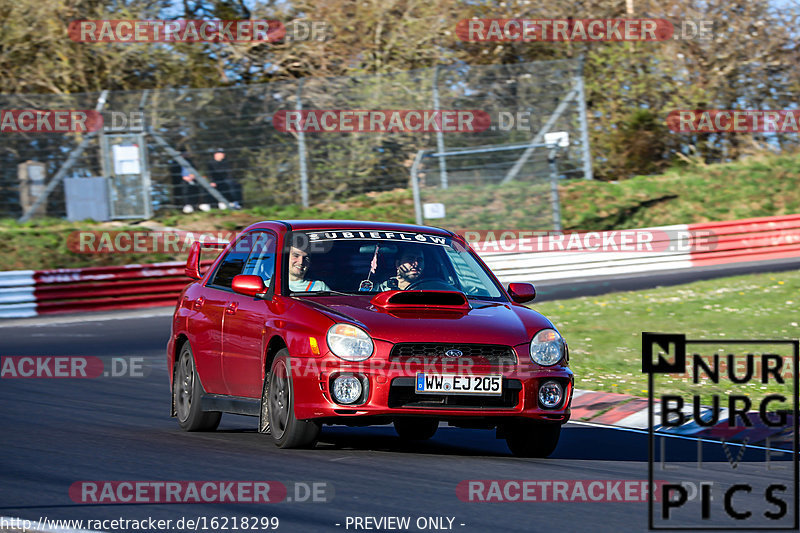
x: 305, y: 323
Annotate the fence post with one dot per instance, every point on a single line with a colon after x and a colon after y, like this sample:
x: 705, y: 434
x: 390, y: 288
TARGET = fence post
x: 301, y: 149
x: 415, y: 187
x: 439, y: 133
x: 584, y: 123
x: 554, y: 199
x: 148, y: 207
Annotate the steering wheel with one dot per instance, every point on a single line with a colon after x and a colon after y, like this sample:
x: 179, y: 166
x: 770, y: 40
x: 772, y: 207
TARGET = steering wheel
x: 434, y: 284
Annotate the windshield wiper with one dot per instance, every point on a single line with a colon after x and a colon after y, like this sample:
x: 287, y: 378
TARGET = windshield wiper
x: 319, y: 293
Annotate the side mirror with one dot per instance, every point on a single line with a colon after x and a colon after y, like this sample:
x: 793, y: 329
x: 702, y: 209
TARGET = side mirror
x: 248, y: 284
x: 521, y: 292
x: 193, y: 261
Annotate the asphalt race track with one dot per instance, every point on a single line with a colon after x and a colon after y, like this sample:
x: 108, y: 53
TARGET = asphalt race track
x: 59, y: 431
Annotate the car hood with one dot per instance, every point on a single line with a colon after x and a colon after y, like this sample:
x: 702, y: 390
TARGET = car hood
x: 482, y: 322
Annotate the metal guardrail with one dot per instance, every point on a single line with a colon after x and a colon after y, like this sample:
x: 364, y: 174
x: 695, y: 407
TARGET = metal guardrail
x: 25, y: 293
x: 676, y: 247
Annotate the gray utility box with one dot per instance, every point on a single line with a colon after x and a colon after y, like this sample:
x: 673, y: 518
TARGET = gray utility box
x: 32, y: 185
x: 87, y: 198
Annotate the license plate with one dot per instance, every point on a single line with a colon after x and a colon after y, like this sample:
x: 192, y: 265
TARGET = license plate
x: 456, y: 384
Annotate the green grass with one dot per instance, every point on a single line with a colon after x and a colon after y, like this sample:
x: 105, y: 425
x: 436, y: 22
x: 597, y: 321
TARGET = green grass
x: 42, y: 244
x: 759, y: 186
x: 604, y: 332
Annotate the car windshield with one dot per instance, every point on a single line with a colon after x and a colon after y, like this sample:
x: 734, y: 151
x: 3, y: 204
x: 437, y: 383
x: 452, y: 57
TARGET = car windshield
x: 367, y: 261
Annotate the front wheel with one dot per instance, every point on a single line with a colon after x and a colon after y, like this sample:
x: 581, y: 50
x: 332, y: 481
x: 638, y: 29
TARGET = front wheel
x: 186, y: 394
x: 531, y: 439
x: 286, y: 430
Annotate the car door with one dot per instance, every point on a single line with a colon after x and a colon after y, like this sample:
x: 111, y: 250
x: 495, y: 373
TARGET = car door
x: 243, y: 325
x: 210, y: 318
x: 205, y: 327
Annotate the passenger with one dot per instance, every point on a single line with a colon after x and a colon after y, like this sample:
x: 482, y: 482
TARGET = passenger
x: 299, y: 261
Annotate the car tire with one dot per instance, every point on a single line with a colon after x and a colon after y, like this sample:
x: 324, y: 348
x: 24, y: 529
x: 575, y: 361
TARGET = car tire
x: 416, y: 428
x: 285, y: 429
x: 530, y: 439
x: 186, y: 394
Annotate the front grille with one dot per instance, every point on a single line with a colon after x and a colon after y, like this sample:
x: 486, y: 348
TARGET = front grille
x: 427, y: 352
x: 403, y: 395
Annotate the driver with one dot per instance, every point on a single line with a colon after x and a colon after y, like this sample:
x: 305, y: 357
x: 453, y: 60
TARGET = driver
x: 410, y: 265
x: 298, y: 267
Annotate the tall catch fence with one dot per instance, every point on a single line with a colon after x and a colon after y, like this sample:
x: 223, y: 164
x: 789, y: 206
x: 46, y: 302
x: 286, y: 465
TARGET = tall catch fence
x: 173, y: 130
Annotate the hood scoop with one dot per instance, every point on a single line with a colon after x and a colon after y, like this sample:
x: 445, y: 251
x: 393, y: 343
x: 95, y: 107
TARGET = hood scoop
x: 420, y: 299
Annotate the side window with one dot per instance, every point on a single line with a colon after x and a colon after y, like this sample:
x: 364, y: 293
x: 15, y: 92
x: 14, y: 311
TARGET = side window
x: 261, y: 261
x: 253, y: 253
x: 473, y: 280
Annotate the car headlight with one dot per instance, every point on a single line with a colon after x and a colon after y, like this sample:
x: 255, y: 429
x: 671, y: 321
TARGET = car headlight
x: 349, y: 342
x: 547, y: 347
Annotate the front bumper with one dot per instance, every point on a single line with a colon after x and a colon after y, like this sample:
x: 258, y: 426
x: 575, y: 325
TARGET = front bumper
x: 390, y: 389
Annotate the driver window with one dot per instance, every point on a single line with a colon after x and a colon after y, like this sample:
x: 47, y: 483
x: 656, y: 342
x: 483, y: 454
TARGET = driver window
x: 261, y: 261
x: 253, y: 253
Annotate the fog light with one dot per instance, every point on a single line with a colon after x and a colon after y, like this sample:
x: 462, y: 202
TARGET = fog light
x: 550, y: 394
x: 346, y: 389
